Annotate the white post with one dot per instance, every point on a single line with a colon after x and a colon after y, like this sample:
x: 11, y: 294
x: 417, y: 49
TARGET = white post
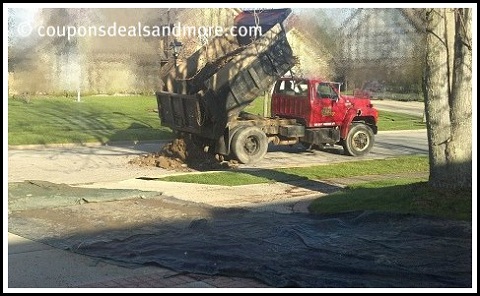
x: 78, y: 94
x: 265, y: 104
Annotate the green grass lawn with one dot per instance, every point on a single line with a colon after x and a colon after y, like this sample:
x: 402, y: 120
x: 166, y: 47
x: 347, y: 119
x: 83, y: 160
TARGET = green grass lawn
x: 404, y: 164
x: 45, y: 120
x: 256, y: 107
x: 404, y: 195
x: 93, y: 119
x: 399, y: 194
x: 390, y: 121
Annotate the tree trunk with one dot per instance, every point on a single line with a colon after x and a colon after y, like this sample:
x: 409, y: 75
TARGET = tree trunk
x: 459, y: 149
x: 447, y: 91
x: 436, y: 92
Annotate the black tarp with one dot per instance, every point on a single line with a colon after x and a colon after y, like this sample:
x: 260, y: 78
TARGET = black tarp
x: 357, y: 249
x: 295, y: 250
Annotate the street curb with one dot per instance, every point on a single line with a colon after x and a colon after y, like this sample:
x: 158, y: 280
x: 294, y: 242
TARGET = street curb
x: 89, y: 144
x: 126, y: 143
x: 401, y: 131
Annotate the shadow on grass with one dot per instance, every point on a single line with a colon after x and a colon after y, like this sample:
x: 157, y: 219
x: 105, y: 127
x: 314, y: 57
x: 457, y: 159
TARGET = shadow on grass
x: 408, y: 198
x: 63, y: 121
x: 139, y: 131
x: 291, y: 179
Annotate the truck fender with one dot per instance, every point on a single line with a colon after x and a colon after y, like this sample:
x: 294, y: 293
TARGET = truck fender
x: 347, y: 122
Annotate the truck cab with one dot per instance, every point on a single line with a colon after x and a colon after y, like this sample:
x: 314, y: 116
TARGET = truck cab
x: 328, y: 115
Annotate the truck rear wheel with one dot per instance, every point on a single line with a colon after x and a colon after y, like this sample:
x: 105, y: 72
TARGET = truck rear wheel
x: 359, y: 140
x: 249, y: 144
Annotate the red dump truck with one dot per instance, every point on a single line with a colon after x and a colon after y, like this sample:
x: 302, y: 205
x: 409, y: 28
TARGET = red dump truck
x: 206, y: 101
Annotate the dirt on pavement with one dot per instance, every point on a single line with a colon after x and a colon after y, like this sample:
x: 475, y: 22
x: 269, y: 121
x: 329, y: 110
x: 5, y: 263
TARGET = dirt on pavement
x: 182, y: 154
x: 127, y: 217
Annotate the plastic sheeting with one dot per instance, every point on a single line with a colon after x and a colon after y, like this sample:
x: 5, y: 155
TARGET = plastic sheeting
x: 292, y: 250
x: 359, y: 249
x: 36, y: 194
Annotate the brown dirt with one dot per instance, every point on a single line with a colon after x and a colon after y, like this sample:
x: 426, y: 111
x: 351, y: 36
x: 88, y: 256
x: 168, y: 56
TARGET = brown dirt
x: 109, y: 216
x: 182, y: 154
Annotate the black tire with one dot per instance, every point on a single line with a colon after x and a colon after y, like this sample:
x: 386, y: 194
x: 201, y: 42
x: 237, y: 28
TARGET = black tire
x: 249, y: 144
x: 359, y: 140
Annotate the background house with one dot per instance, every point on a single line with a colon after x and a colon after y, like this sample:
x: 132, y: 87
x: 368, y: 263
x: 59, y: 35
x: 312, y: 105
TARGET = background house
x: 383, y: 46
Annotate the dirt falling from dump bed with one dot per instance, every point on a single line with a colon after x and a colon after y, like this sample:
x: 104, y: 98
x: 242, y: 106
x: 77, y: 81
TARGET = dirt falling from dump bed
x: 182, y: 154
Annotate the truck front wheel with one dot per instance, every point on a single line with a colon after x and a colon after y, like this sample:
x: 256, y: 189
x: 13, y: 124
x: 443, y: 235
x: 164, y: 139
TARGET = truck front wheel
x: 359, y: 140
x: 249, y: 144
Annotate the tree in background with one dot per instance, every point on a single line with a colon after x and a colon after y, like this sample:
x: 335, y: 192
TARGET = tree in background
x: 448, y: 96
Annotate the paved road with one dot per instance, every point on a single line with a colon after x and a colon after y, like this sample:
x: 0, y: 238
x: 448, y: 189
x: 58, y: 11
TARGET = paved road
x: 412, y: 108
x: 387, y: 144
x: 99, y: 163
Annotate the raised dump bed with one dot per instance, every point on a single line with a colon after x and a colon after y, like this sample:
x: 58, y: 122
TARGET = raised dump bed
x: 222, y: 89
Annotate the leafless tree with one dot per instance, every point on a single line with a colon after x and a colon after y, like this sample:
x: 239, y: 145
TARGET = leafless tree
x: 448, y: 96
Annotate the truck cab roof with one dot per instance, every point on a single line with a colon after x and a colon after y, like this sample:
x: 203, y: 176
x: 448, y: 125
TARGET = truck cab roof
x: 312, y: 79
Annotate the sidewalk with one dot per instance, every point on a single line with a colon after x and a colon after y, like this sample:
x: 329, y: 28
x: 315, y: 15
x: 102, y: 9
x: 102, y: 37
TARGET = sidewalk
x: 36, y: 265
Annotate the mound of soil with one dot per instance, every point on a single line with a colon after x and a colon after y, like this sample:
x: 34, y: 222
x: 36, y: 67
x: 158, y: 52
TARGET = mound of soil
x: 184, y: 155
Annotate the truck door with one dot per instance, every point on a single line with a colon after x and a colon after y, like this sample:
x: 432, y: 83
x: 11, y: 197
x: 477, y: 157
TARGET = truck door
x: 327, y: 105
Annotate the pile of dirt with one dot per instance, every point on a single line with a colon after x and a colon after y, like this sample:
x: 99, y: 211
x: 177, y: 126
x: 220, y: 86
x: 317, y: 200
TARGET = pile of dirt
x: 184, y: 155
